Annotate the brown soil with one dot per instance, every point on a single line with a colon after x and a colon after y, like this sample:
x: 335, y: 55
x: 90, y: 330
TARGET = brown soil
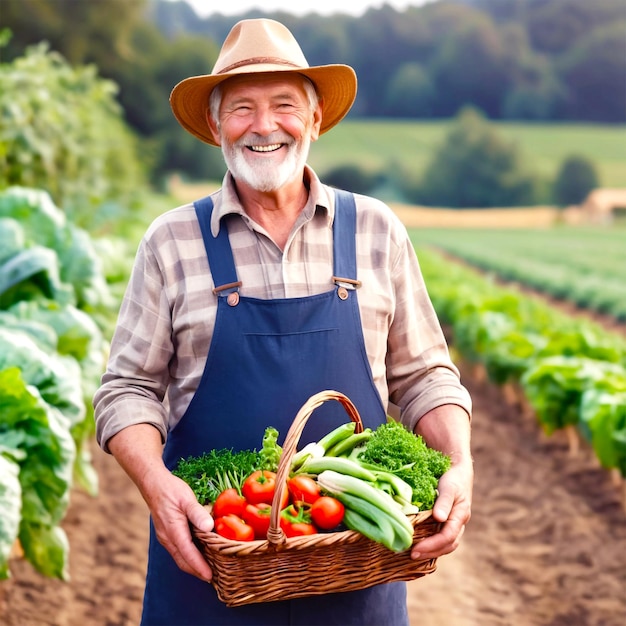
x: 546, y: 544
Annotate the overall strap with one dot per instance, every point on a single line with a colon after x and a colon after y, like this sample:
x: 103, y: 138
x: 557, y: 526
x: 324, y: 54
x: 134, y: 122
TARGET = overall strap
x: 344, y: 240
x: 218, y: 250
x: 220, y: 254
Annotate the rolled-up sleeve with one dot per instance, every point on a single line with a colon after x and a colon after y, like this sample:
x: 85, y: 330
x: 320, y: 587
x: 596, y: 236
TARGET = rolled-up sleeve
x: 135, y: 382
x: 420, y: 373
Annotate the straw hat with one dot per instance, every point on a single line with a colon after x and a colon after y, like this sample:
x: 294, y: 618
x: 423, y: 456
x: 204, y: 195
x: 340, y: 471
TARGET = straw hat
x: 262, y: 46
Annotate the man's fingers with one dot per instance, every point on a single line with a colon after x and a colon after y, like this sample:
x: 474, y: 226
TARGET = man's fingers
x: 443, y: 506
x: 200, y: 517
x: 187, y: 556
x: 193, y: 562
x: 444, y: 542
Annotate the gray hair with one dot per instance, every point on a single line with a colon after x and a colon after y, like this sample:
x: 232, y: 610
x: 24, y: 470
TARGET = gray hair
x: 215, y: 98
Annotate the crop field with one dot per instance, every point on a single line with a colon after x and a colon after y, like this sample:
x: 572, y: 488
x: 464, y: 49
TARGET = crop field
x: 586, y: 266
x: 375, y: 145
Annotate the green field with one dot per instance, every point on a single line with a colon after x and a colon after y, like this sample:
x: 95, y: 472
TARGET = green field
x: 375, y: 145
x: 585, y: 266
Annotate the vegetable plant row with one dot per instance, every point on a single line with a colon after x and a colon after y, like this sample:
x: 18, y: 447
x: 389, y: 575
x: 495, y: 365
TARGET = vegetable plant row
x: 368, y: 482
x: 583, y: 266
x: 52, y: 354
x: 570, y: 371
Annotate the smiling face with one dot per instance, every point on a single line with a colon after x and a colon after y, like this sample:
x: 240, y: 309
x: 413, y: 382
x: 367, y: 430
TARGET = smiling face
x: 266, y: 126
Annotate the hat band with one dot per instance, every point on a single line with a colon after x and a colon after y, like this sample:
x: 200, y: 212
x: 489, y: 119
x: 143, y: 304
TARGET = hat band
x: 258, y: 61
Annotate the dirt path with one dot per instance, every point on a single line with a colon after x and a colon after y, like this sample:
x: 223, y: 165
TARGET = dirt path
x: 547, y: 541
x: 546, y: 544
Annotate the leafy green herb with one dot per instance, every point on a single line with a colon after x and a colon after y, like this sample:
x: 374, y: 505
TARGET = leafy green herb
x: 271, y: 451
x: 213, y: 472
x: 394, y: 449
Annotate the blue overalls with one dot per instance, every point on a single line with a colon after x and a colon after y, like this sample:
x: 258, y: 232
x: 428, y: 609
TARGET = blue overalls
x: 266, y: 358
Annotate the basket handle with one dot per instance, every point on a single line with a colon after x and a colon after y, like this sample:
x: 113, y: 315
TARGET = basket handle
x: 275, y: 533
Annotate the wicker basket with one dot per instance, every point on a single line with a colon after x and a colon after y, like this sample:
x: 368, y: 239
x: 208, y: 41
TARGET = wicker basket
x: 282, y: 568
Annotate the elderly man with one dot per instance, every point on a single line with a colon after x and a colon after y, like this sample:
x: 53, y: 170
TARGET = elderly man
x: 244, y: 304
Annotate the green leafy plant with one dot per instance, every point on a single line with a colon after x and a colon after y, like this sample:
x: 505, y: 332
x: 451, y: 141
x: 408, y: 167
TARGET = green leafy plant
x: 603, y: 417
x: 38, y: 453
x: 394, y: 449
x: 52, y: 354
x: 572, y: 372
x: 555, y: 385
x: 217, y: 470
x: 62, y: 130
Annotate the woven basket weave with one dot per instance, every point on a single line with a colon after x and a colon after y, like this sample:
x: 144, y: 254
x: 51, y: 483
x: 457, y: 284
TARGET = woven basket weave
x: 282, y: 568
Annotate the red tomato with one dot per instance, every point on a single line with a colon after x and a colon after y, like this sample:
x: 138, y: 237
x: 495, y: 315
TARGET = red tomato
x: 258, y: 516
x: 232, y: 527
x: 259, y: 488
x: 327, y: 512
x: 298, y: 529
x: 303, y: 489
x: 296, y: 522
x: 229, y: 501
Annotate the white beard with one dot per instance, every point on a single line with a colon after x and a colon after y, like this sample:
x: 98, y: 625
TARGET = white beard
x: 266, y: 174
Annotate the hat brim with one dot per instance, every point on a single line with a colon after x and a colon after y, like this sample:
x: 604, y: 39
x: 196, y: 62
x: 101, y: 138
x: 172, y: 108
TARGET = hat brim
x: 336, y: 84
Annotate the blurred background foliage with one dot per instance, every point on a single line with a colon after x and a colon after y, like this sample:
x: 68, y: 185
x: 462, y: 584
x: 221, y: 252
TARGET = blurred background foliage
x: 503, y: 60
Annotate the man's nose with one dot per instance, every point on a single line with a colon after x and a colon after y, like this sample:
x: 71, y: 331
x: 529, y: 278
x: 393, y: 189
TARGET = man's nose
x: 264, y: 122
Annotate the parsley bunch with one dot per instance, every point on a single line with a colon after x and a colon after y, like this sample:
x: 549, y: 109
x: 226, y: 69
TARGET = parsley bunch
x: 215, y: 471
x: 395, y: 449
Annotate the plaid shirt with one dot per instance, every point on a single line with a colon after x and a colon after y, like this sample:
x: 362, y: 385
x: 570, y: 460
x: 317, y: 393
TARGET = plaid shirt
x: 165, y: 325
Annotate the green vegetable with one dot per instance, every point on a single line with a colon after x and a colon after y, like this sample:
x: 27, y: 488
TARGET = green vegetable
x: 603, y: 421
x: 372, y: 503
x: 555, y: 385
x: 10, y: 504
x: 312, y: 449
x: 345, y: 446
x: 38, y: 450
x: 57, y: 377
x: 379, y: 531
x: 337, y: 464
x: 215, y: 471
x: 394, y: 449
x: 271, y: 451
x: 394, y: 536
x: 397, y: 487
x: 12, y: 238
x: 334, y: 438
x: 29, y: 273
x: 336, y: 435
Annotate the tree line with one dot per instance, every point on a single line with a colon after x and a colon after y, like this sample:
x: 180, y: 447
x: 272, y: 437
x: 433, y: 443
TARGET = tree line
x: 534, y: 60
x: 512, y: 59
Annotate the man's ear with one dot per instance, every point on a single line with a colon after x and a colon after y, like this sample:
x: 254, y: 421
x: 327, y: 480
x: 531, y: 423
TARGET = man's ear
x: 317, y: 121
x: 213, y: 127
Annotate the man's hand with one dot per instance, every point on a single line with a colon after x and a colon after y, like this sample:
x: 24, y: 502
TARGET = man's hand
x: 173, y: 506
x: 447, y: 428
x: 453, y: 508
x: 171, y: 501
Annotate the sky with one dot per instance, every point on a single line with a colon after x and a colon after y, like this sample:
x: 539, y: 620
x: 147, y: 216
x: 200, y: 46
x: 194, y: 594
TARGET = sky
x: 297, y: 7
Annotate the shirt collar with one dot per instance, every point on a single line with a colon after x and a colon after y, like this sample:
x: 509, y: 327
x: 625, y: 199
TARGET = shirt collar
x: 226, y: 200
